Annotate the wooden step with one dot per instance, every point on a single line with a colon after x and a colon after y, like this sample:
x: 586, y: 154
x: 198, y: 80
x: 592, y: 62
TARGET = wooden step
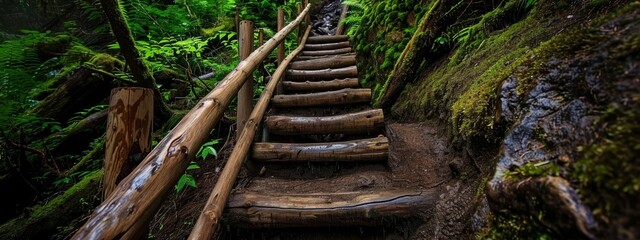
x: 324, y: 63
x: 327, y: 39
x: 324, y: 74
x: 326, y: 52
x: 318, y: 86
x: 302, y: 58
x: 372, y: 149
x: 370, y: 208
x: 364, y: 122
x: 326, y: 46
x: 328, y: 98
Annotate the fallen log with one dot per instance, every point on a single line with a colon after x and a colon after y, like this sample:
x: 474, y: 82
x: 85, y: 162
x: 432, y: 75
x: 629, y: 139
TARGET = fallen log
x: 320, y: 85
x: 327, y: 52
x: 327, y: 38
x: 324, y: 63
x: 369, y: 121
x: 373, y: 149
x: 326, y: 46
x: 325, y: 74
x: 268, y: 210
x: 338, y: 97
x: 303, y: 58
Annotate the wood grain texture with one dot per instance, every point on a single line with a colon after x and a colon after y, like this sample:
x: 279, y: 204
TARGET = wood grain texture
x: 326, y: 46
x: 363, y: 122
x: 324, y: 63
x: 138, y: 196
x: 372, y: 149
x: 129, y: 125
x: 209, y: 219
x: 245, y: 95
x: 327, y: 52
x: 269, y: 210
x: 328, y: 98
x: 325, y: 74
x: 327, y: 39
x: 317, y: 86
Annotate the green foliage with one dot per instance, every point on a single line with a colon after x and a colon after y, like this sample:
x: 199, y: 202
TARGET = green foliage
x: 514, y: 226
x: 532, y: 169
x: 205, y: 150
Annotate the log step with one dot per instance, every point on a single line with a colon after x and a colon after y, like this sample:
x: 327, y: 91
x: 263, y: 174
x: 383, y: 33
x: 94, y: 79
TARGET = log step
x: 327, y: 39
x: 302, y: 58
x: 326, y: 52
x: 324, y: 63
x: 371, y: 208
x: 327, y: 46
x: 329, y: 98
x: 318, y: 86
x: 364, y: 122
x: 373, y: 149
x: 324, y: 74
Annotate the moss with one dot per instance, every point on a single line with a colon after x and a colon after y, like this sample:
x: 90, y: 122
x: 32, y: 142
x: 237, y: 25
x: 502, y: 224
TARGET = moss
x: 513, y: 227
x: 609, y: 170
x: 45, y: 219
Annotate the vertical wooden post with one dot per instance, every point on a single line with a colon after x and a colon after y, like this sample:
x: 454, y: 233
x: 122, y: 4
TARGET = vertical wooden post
x: 128, y: 133
x: 307, y: 19
x: 280, y: 27
x: 129, y: 127
x: 261, y: 37
x: 299, y: 27
x: 236, y: 21
x: 341, y: 27
x: 245, y: 95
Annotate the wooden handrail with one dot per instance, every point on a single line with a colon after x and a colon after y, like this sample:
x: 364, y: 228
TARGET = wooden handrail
x: 209, y: 218
x: 139, y: 195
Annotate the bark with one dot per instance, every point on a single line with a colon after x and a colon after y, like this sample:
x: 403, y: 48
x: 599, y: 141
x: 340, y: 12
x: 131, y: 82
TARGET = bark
x: 343, y: 15
x: 326, y: 52
x: 374, y: 149
x: 137, y: 197
x: 338, y: 97
x: 327, y: 39
x: 208, y: 221
x: 269, y: 210
x: 138, y: 68
x: 364, y: 122
x: 324, y: 63
x: 326, y: 46
x: 320, y: 85
x: 326, y: 74
x: 245, y: 95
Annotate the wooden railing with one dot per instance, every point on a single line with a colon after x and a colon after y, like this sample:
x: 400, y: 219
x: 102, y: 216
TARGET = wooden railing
x: 127, y: 211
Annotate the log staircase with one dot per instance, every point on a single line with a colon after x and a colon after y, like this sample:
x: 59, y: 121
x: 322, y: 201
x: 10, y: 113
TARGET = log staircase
x: 322, y: 114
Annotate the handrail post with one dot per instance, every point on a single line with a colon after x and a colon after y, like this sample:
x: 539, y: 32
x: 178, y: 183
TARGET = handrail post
x: 280, y: 27
x: 300, y: 26
x: 307, y: 19
x: 245, y: 96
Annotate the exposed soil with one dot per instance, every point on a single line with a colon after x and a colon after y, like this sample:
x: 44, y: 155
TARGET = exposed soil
x: 420, y: 159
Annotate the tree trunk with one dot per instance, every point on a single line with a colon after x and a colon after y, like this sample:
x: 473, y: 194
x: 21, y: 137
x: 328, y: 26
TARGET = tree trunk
x: 268, y: 210
x: 128, y: 133
x: 369, y: 121
x: 318, y: 86
x: 326, y: 74
x: 338, y: 97
x: 374, y: 149
x: 138, y: 68
x: 324, y: 63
